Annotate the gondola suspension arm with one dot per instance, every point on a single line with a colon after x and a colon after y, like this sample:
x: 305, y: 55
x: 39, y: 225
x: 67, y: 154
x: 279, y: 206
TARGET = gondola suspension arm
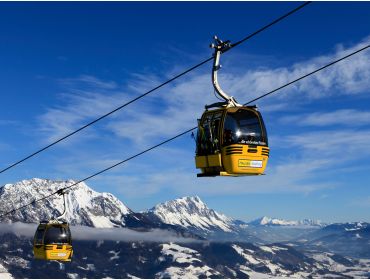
x: 220, y: 47
x: 63, y: 193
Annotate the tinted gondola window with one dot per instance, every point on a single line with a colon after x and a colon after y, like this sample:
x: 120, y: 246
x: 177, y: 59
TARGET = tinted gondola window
x: 208, y: 134
x: 57, y: 235
x: 244, y: 127
x: 39, y: 235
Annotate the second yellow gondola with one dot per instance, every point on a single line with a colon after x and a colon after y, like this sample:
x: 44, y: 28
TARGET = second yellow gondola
x: 53, y: 241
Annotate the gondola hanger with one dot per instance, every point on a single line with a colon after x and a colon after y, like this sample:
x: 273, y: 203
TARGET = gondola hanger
x: 220, y: 47
x: 63, y: 193
x: 232, y: 138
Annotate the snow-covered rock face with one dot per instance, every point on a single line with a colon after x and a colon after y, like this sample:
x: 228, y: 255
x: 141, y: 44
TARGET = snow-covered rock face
x: 4, y: 274
x: 267, y: 221
x: 191, y: 212
x: 84, y: 205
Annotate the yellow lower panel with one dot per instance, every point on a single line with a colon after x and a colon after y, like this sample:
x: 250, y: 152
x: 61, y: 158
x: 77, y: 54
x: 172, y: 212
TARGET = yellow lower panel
x: 214, y: 160
x: 64, y: 254
x: 222, y: 173
x: 235, y: 164
x: 208, y: 161
x: 201, y: 161
x: 236, y: 160
x: 245, y: 163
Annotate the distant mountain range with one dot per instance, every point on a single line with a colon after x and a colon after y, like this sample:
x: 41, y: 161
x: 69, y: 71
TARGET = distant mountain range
x: 194, y: 215
x: 226, y: 248
x: 90, y: 208
x: 267, y: 221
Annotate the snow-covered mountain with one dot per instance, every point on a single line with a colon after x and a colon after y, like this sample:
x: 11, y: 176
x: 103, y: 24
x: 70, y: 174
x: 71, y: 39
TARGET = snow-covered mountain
x: 267, y: 221
x: 194, y: 215
x: 84, y: 205
x: 191, y: 213
x: 328, y: 251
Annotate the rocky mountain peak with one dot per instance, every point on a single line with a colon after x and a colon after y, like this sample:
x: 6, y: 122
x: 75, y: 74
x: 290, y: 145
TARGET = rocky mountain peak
x: 191, y: 212
x: 84, y: 205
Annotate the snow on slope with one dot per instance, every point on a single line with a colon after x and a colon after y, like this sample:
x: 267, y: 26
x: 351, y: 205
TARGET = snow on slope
x: 191, y: 212
x: 354, y: 226
x: 285, y: 263
x: 191, y: 266
x: 267, y: 221
x: 84, y: 205
x: 256, y: 260
x: 4, y: 274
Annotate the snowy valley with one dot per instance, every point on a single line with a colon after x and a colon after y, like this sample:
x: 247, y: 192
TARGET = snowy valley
x: 182, y: 238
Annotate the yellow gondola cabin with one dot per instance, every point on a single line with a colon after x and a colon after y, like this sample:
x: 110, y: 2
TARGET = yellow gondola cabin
x: 53, y: 241
x: 232, y: 139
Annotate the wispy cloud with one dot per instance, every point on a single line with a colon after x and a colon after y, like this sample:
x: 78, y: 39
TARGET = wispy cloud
x: 5, y: 147
x: 128, y: 235
x: 299, y: 170
x: 175, y: 108
x: 347, y: 77
x: 79, y: 108
x: 347, y: 117
x: 292, y: 176
x: 349, y: 144
x: 89, y: 81
x: 112, y: 234
x: 8, y: 122
x: 361, y: 202
x: 185, y: 99
x: 20, y: 229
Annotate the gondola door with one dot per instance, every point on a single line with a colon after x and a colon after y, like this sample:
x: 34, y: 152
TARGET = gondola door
x: 208, y: 154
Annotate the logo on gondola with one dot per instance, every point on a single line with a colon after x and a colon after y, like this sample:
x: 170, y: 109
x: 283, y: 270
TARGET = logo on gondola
x: 250, y: 163
x: 252, y: 142
x: 58, y: 254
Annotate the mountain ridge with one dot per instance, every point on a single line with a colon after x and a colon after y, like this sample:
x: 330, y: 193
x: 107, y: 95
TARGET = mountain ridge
x: 191, y: 211
x: 267, y: 221
x: 84, y: 205
x: 219, y: 246
x: 91, y: 208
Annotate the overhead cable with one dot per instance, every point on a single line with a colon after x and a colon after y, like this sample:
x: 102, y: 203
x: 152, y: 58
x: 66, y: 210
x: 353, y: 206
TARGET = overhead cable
x: 150, y: 91
x: 181, y: 134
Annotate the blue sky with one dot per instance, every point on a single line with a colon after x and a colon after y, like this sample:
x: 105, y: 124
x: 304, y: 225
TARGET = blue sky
x: 64, y: 64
